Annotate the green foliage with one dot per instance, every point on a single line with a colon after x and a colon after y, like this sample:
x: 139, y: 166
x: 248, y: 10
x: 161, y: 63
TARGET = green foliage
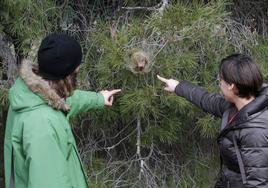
x: 188, y: 20
x: 167, y: 131
x: 26, y: 20
x: 199, y: 173
x: 186, y: 42
x: 260, y: 53
x: 208, y: 126
x: 3, y: 98
x: 139, y: 102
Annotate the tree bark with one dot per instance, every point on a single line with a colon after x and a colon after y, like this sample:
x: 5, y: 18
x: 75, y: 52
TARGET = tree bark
x: 7, y: 61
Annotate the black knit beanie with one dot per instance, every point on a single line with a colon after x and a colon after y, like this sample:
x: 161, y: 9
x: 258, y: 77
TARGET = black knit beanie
x: 58, y: 56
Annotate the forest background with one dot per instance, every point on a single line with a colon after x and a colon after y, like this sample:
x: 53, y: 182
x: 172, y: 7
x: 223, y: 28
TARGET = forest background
x: 149, y: 138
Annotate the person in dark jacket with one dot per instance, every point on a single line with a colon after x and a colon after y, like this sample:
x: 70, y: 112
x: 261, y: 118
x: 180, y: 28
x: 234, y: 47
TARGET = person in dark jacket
x: 242, y: 107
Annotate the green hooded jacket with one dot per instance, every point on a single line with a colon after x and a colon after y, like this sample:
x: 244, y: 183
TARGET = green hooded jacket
x: 44, y: 150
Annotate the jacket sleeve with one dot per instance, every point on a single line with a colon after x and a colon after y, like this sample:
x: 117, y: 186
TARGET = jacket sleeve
x: 212, y: 103
x: 46, y: 164
x: 82, y: 101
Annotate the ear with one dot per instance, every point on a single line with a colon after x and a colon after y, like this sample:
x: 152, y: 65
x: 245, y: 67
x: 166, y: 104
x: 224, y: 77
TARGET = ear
x: 231, y: 86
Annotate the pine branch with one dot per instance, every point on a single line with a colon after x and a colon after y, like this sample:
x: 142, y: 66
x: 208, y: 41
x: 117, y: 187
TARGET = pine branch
x: 139, y: 146
x: 159, y: 7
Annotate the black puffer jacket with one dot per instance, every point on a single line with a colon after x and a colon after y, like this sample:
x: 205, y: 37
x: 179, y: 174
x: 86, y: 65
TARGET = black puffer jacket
x: 248, y: 162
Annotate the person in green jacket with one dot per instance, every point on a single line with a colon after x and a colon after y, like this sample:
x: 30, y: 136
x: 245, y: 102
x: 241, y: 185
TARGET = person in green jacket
x: 40, y: 149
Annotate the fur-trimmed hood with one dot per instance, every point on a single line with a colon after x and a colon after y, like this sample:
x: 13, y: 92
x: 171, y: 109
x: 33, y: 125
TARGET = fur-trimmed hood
x: 30, y: 90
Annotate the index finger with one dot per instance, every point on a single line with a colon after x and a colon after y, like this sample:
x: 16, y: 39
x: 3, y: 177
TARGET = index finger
x: 162, y: 79
x: 114, y: 91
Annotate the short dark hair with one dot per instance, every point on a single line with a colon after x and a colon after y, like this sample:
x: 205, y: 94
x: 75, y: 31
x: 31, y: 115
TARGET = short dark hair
x: 241, y: 70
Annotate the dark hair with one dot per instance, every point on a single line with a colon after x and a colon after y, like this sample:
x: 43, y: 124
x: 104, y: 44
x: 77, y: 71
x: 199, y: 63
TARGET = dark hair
x: 241, y: 70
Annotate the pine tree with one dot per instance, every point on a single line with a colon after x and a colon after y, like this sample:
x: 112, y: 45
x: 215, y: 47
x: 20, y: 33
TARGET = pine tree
x: 149, y: 138
x: 185, y: 41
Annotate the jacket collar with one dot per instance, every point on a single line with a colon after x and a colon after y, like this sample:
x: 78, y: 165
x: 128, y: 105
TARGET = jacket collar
x: 253, y: 108
x: 40, y: 86
x: 250, y: 111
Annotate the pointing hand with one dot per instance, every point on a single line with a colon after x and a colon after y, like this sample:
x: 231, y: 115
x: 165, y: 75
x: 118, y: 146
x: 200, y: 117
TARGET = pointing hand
x: 108, y: 96
x: 170, y: 83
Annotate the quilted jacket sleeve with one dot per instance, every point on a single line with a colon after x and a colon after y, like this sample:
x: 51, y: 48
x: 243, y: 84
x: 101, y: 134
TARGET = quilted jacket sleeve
x: 212, y: 103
